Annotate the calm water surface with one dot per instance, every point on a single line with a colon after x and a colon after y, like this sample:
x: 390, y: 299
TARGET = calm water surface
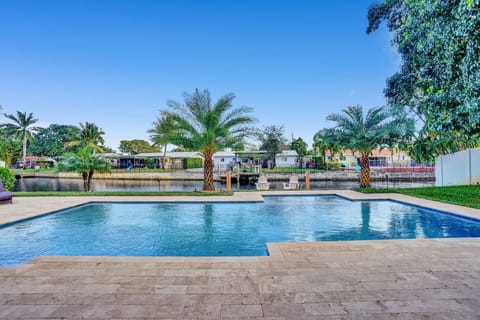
x: 219, y: 229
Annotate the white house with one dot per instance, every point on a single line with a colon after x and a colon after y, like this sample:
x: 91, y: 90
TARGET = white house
x: 223, y: 159
x: 286, y: 158
x: 2, y: 164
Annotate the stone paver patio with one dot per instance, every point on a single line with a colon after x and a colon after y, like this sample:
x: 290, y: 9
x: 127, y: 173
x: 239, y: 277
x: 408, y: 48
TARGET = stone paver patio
x: 394, y: 279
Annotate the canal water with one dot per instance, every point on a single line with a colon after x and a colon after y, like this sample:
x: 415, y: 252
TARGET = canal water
x: 58, y: 184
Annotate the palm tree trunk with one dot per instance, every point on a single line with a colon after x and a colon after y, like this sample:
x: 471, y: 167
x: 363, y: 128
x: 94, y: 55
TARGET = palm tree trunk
x: 365, y: 171
x: 89, y: 180
x: 164, y: 160
x: 24, y: 153
x: 85, y: 181
x: 208, y: 172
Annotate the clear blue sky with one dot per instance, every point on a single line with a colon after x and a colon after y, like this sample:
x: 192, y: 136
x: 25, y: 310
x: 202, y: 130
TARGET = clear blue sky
x: 116, y: 63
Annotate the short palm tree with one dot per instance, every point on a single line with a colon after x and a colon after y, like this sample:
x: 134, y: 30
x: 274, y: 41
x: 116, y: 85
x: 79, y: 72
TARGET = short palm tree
x: 85, y: 162
x: 162, y: 133
x: 21, y: 128
x: 365, y: 133
x: 325, y: 140
x: 199, y: 125
x: 90, y: 135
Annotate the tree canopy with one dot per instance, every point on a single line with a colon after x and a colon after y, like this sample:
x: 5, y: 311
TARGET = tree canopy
x: 272, y: 140
x: 85, y: 162
x: 363, y: 133
x: 90, y: 135
x: 439, y: 78
x: 51, y: 141
x: 20, y: 127
x: 199, y: 124
x: 136, y: 146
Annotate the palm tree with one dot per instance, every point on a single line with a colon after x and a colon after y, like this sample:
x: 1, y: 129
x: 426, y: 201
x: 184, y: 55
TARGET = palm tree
x: 21, y: 128
x: 326, y: 139
x: 366, y: 133
x: 196, y: 124
x: 161, y: 134
x: 85, y: 162
x: 90, y: 135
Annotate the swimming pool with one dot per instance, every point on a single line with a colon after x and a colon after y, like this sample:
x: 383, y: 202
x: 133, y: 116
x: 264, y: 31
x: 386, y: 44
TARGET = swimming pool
x: 219, y: 229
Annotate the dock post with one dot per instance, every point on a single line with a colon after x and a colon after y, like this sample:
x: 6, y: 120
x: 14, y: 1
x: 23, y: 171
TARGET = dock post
x: 228, y: 180
x: 307, y: 180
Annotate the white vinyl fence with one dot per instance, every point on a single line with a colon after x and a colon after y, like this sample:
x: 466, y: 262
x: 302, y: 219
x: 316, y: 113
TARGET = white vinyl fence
x: 459, y: 168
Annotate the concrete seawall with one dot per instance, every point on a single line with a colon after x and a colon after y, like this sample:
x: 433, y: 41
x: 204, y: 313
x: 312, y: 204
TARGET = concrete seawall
x: 346, y: 175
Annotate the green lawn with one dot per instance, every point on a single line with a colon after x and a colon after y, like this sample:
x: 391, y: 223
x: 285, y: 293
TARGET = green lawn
x: 468, y: 196
x: 46, y: 170
x: 118, y: 193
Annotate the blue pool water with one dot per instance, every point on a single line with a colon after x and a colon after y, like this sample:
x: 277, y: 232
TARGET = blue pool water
x: 219, y: 229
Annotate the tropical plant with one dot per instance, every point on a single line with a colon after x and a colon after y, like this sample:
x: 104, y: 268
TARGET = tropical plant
x: 51, y: 141
x: 85, y: 162
x: 136, y: 146
x: 90, y: 135
x: 364, y: 133
x: 438, y: 81
x: 8, y: 178
x: 21, y: 128
x: 10, y: 150
x: 326, y: 140
x: 272, y: 140
x: 162, y: 133
x: 300, y: 147
x: 199, y: 125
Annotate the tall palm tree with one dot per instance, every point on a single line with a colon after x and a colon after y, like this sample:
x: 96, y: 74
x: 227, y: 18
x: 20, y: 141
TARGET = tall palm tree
x: 162, y: 133
x: 90, y: 136
x: 366, y: 133
x: 21, y: 128
x: 197, y: 124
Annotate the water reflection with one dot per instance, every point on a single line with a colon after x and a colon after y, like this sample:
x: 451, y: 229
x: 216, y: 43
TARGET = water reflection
x: 57, y: 184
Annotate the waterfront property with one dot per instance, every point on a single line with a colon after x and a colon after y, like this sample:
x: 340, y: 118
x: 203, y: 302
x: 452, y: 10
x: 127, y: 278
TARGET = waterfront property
x: 391, y: 279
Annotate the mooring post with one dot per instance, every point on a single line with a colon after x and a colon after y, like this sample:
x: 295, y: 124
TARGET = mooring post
x: 229, y: 180
x: 307, y: 180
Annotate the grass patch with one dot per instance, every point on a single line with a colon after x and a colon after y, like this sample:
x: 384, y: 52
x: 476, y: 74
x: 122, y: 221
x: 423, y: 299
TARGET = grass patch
x: 468, y: 196
x: 118, y: 193
x: 45, y: 170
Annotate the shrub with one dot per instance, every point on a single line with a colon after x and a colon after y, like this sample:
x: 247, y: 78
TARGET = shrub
x: 149, y: 163
x: 190, y: 163
x: 334, y: 165
x: 8, y: 178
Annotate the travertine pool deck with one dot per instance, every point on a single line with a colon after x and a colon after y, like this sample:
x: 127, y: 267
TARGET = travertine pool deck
x: 392, y: 279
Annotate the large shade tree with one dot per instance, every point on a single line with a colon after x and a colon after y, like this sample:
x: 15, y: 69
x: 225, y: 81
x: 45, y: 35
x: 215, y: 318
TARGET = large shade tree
x: 21, y: 127
x: 90, y: 135
x: 199, y: 124
x: 272, y: 140
x: 439, y: 76
x: 136, y: 146
x: 363, y: 133
x: 85, y: 162
x: 51, y: 141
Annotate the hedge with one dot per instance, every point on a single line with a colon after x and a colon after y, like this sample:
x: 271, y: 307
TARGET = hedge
x: 190, y: 163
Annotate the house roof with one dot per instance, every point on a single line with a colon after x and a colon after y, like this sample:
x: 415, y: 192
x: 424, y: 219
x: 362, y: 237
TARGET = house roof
x: 224, y: 154
x: 287, y: 153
